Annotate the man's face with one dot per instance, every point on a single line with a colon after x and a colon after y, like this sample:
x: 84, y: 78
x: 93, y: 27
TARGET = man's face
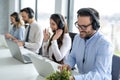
x: 25, y: 16
x: 85, y: 27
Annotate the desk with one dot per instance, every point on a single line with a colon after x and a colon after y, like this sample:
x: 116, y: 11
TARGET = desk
x: 12, y: 69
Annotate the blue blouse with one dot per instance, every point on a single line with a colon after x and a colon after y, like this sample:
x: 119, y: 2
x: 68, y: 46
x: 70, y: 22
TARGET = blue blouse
x: 18, y: 33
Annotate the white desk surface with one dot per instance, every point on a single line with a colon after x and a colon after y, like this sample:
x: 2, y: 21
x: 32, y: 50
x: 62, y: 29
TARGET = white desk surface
x: 12, y: 69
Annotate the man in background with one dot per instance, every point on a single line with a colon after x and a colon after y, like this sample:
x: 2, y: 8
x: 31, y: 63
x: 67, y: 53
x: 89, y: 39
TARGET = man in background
x: 34, y: 33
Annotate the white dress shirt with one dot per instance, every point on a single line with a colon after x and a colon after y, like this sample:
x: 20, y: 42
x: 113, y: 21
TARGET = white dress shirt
x: 35, y: 37
x: 59, y: 54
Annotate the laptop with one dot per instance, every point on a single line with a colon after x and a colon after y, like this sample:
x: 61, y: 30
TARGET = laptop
x: 18, y: 53
x: 3, y: 43
x: 43, y: 65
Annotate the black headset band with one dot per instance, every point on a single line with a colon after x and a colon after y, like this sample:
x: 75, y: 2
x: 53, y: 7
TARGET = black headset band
x: 62, y: 21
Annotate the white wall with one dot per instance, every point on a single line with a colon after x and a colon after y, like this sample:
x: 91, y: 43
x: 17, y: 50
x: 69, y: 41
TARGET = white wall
x: 9, y: 6
x: 61, y: 7
x: 3, y: 16
x: 13, y: 7
x: 6, y: 8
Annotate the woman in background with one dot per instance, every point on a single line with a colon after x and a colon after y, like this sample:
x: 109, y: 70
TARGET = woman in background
x: 58, y: 46
x: 18, y: 30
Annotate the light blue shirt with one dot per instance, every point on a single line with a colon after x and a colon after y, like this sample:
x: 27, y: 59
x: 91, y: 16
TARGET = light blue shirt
x: 97, y: 53
x: 18, y: 33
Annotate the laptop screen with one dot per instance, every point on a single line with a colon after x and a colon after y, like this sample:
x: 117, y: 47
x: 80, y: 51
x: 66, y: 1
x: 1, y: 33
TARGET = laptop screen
x: 43, y: 65
x: 3, y: 43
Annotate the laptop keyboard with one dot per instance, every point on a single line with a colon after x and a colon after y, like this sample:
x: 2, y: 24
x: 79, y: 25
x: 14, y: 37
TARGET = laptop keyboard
x: 26, y: 58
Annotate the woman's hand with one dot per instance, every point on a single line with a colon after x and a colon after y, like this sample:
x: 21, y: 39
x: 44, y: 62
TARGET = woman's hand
x: 15, y: 40
x: 46, y: 35
x: 7, y: 35
x: 58, y: 33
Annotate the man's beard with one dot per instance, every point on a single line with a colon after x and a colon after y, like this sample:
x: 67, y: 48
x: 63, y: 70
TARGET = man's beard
x: 26, y: 22
x: 86, y: 37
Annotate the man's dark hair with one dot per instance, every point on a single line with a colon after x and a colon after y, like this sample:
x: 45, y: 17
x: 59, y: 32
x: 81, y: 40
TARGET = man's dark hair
x: 94, y: 16
x: 29, y: 11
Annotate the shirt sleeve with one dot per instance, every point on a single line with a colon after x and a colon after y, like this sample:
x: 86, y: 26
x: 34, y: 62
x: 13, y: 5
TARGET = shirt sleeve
x: 103, y: 63
x: 21, y: 33
x: 38, y: 38
x: 11, y: 31
x: 44, y: 49
x: 71, y: 61
x: 64, y: 50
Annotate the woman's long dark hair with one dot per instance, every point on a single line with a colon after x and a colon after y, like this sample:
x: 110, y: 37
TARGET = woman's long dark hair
x: 56, y: 19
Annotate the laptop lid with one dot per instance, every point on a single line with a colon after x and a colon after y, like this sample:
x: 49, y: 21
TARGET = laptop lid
x: 3, y: 43
x: 15, y: 51
x: 43, y: 65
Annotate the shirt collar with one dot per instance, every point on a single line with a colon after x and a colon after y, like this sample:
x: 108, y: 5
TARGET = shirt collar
x: 92, y: 38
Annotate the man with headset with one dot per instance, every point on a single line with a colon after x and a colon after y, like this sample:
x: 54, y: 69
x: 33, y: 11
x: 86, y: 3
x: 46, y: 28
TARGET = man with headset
x: 34, y: 34
x: 90, y: 51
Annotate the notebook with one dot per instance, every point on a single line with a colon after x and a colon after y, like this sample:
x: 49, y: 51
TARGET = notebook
x: 18, y: 53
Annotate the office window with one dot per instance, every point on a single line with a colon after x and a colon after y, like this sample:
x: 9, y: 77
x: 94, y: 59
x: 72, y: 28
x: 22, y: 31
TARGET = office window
x: 44, y: 10
x: 28, y: 3
x: 109, y: 17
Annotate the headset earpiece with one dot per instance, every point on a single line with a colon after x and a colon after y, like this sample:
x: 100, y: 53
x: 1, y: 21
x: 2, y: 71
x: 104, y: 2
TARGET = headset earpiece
x: 61, y: 23
x: 30, y: 12
x: 95, y: 23
x: 17, y: 19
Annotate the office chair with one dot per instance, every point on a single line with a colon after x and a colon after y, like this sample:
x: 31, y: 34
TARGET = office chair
x: 116, y: 68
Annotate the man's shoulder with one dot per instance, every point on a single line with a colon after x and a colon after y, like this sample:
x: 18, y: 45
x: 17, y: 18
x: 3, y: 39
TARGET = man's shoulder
x: 103, y: 39
x: 35, y: 25
x: 77, y: 36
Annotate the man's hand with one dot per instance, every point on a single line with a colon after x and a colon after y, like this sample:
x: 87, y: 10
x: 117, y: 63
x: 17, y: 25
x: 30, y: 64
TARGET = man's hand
x: 71, y: 78
x: 65, y: 66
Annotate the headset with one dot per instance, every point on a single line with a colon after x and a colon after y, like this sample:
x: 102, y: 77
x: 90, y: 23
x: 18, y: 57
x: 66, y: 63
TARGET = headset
x: 61, y: 23
x: 29, y: 11
x: 16, y: 16
x: 95, y: 17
